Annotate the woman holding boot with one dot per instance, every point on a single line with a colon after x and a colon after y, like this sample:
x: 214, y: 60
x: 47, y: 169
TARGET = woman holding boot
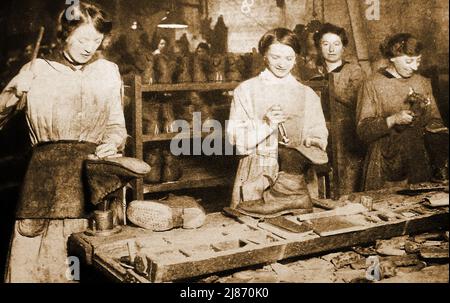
x: 261, y: 106
x: 398, y: 119
x: 73, y: 109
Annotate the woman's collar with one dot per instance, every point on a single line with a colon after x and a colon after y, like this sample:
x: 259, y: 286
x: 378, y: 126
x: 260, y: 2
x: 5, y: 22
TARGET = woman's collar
x: 268, y: 76
x: 59, y: 56
x: 337, y: 69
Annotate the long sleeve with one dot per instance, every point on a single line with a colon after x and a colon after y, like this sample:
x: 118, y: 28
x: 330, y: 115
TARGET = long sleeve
x: 347, y: 91
x: 243, y: 130
x: 435, y: 116
x: 371, y: 124
x: 115, y: 129
x: 9, y: 100
x: 315, y: 124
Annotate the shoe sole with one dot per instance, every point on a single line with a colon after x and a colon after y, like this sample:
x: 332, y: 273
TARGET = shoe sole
x: 150, y: 215
x: 294, y: 212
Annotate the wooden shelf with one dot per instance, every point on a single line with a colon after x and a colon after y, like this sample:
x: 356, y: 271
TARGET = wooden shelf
x: 170, y: 136
x: 205, y: 182
x: 200, y: 86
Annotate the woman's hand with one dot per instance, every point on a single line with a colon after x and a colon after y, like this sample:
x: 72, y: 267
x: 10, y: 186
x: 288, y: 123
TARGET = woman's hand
x: 403, y: 117
x: 106, y: 150
x: 311, y: 141
x: 274, y: 116
x: 23, y: 82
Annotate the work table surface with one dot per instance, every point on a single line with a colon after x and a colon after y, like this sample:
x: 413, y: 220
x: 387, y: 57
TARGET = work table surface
x: 224, y: 243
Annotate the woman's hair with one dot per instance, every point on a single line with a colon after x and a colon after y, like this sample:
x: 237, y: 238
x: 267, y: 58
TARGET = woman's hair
x: 156, y: 40
x: 279, y: 35
x: 203, y: 45
x: 76, y: 15
x: 401, y: 44
x: 333, y: 29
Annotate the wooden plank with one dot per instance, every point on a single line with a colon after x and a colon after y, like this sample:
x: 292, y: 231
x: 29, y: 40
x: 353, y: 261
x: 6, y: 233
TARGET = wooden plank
x: 170, y: 136
x: 223, y: 244
x: 369, y: 235
x: 257, y: 254
x: 187, y: 183
x: 137, y: 134
x: 207, y: 86
x: 188, y: 269
x: 359, y: 34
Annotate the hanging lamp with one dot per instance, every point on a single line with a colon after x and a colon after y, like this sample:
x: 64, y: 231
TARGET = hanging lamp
x: 173, y: 18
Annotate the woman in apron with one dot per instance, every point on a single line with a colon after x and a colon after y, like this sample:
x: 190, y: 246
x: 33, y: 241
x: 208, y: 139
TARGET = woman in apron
x: 261, y: 105
x: 73, y: 109
x: 331, y: 42
x: 398, y: 118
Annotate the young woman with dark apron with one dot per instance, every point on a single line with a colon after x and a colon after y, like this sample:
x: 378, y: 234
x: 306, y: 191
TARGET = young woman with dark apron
x: 73, y: 109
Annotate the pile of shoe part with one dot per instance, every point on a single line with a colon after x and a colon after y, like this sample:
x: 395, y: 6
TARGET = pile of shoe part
x: 165, y: 214
x: 420, y: 258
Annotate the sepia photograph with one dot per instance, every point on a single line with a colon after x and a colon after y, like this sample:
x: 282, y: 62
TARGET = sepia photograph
x: 224, y: 147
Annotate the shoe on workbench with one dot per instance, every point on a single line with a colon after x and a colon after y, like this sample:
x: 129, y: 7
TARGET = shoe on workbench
x: 174, y: 212
x: 287, y: 194
x: 296, y: 205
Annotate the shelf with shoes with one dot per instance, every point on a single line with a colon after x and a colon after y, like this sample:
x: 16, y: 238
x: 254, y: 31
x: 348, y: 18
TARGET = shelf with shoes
x: 179, y: 135
x: 193, y: 178
x: 156, y: 97
x: 194, y: 86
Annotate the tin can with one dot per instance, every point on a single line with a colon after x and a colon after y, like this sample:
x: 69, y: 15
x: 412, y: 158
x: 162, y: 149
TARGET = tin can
x: 103, y: 220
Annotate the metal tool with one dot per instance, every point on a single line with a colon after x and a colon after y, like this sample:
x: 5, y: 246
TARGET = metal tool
x: 283, y: 133
x: 279, y: 222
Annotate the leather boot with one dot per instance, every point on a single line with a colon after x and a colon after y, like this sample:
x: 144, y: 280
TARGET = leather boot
x: 150, y: 118
x: 165, y: 68
x: 260, y: 209
x: 234, y: 73
x: 154, y: 159
x: 168, y: 117
x: 201, y: 106
x: 288, y: 194
x: 217, y: 73
x: 184, y: 70
x: 199, y: 70
x: 171, y: 170
x: 148, y: 75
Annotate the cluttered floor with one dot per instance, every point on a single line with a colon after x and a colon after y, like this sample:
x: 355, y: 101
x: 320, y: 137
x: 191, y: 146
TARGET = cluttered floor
x: 383, y: 236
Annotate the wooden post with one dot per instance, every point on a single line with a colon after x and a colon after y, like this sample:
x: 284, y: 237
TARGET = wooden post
x: 359, y: 35
x: 137, y: 133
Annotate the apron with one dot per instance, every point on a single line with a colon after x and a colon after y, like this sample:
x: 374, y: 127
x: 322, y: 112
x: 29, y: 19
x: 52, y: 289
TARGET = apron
x: 54, y: 183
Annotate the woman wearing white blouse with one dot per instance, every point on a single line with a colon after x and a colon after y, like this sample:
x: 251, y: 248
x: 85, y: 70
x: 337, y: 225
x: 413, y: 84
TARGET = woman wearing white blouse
x: 262, y: 104
x: 73, y: 109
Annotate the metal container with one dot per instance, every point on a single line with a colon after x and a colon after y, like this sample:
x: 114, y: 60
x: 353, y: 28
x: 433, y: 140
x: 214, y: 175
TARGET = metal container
x: 103, y: 220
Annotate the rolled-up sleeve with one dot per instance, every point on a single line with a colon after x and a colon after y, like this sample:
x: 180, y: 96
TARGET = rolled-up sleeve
x: 315, y: 124
x: 116, y: 132
x: 347, y: 91
x: 243, y: 130
x: 9, y: 100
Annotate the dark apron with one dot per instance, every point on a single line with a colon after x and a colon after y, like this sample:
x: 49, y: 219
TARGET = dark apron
x: 54, y: 186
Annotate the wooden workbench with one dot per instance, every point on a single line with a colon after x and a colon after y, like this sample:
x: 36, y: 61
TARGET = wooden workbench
x: 224, y: 243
